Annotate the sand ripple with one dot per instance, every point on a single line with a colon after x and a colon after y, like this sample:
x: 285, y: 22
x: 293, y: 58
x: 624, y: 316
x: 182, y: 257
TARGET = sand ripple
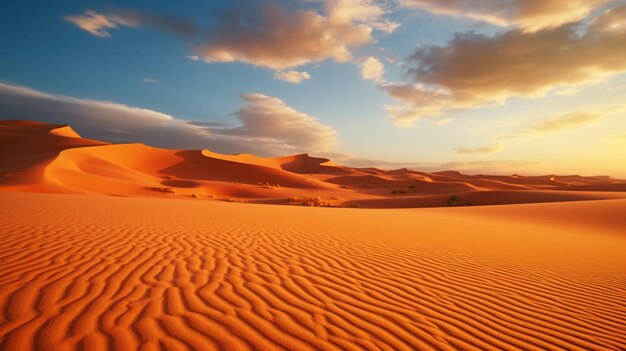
x: 98, y: 273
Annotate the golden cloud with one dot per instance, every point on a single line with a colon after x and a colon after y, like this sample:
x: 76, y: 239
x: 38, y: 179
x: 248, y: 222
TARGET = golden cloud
x: 267, y: 126
x: 274, y: 36
x: 530, y: 15
x: 475, y: 70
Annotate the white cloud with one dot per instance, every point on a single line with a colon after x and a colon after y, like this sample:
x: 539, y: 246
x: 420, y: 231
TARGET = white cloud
x: 269, y: 119
x: 372, y: 69
x: 275, y: 36
x: 150, y: 80
x: 292, y: 76
x: 270, y: 34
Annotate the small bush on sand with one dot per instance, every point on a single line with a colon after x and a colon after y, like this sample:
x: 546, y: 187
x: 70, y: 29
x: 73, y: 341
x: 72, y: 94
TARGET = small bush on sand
x: 453, y: 200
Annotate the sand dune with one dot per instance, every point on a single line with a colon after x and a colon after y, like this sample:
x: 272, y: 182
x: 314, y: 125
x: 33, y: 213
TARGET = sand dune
x: 38, y: 157
x: 100, y: 273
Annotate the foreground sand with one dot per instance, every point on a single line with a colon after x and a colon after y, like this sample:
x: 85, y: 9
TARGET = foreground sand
x: 100, y: 273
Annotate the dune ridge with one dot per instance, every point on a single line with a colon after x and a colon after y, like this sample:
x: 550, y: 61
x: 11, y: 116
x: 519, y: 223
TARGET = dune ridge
x: 97, y: 273
x: 39, y: 157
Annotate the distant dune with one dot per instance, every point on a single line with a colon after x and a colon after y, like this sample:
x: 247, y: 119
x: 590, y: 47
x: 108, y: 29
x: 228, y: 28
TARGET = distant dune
x: 38, y: 157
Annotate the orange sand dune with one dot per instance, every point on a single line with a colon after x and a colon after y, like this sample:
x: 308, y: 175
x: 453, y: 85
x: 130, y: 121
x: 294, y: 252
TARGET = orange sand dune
x: 81, y: 272
x: 38, y: 157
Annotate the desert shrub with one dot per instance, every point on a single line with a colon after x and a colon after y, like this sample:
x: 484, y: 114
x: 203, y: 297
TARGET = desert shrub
x: 164, y: 190
x: 453, y: 200
x: 311, y: 201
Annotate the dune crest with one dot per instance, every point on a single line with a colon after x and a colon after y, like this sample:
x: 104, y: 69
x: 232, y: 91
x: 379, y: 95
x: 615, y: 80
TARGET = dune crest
x: 54, y: 158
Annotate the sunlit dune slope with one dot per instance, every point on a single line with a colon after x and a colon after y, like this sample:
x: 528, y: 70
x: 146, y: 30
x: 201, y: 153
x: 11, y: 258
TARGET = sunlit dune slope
x: 81, y: 272
x: 38, y: 157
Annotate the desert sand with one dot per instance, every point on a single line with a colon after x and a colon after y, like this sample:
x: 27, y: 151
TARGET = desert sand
x: 124, y: 247
x: 100, y: 273
x: 38, y: 157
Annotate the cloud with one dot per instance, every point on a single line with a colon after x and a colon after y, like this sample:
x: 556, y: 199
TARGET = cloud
x: 292, y: 76
x: 269, y: 34
x: 471, y: 167
x: 490, y: 166
x: 98, y: 24
x: 481, y: 150
x: 274, y: 36
x: 530, y: 15
x: 372, y: 69
x: 560, y: 123
x: 268, y: 126
x: 417, y: 101
x: 270, y: 120
x: 387, y: 27
x: 566, y: 122
x: 443, y: 121
x: 150, y: 80
x: 475, y: 70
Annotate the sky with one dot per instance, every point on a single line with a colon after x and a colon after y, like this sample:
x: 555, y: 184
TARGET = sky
x: 481, y: 86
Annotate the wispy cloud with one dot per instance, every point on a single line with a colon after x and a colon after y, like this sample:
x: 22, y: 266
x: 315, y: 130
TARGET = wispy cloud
x: 530, y: 15
x: 569, y: 121
x: 150, y: 80
x: 471, y: 166
x: 481, y: 150
x: 559, y: 123
x: 99, y: 24
x: 267, y: 126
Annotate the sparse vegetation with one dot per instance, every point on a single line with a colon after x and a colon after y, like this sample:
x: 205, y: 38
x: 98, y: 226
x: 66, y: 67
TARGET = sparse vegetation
x: 165, y: 190
x: 267, y: 185
x: 232, y: 199
x: 454, y: 200
x: 311, y: 201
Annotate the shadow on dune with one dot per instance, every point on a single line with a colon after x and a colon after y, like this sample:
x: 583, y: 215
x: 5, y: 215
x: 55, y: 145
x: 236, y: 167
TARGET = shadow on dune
x: 195, y: 165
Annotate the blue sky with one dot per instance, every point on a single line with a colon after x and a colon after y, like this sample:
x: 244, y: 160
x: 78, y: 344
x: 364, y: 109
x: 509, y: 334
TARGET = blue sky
x: 337, y: 112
